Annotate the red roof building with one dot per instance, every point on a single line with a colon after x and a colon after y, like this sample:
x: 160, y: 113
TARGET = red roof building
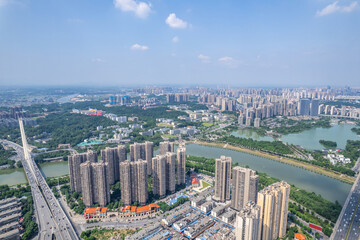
x: 98, y: 212
x: 133, y: 211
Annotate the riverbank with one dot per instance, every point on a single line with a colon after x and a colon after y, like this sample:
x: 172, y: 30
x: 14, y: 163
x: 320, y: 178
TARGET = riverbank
x: 309, y: 167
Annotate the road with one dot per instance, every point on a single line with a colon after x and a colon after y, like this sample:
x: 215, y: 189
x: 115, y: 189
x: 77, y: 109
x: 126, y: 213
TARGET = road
x: 347, y: 226
x: 51, y: 218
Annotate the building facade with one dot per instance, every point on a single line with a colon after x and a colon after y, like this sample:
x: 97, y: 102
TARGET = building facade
x: 166, y: 147
x: 74, y: 162
x: 95, y: 186
x: 170, y: 172
x: 159, y: 175
x: 181, y: 165
x: 133, y: 181
x: 273, y: 201
x: 222, y: 179
x: 248, y: 222
x: 244, y: 187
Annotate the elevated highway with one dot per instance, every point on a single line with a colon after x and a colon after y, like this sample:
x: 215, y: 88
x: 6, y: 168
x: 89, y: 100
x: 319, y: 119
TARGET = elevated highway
x: 52, y: 220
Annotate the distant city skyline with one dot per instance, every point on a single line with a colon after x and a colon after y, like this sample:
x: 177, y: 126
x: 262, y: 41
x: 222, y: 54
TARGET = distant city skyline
x: 185, y: 43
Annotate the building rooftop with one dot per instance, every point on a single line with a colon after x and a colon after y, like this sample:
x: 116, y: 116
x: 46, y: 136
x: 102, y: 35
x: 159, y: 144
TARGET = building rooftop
x: 95, y: 210
x: 135, y: 209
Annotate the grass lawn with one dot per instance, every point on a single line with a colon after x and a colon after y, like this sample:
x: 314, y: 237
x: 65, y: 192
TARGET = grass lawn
x: 206, y: 124
x: 104, y: 234
x: 205, y: 184
x: 168, y: 136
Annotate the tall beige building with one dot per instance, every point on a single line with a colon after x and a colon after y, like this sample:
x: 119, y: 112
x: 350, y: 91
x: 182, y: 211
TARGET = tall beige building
x: 113, y: 157
x: 244, y: 187
x: 95, y: 185
x: 248, y: 222
x: 143, y: 151
x: 86, y: 188
x: 133, y: 181
x: 273, y: 201
x: 91, y: 156
x: 181, y: 165
x: 149, y: 154
x: 100, y: 184
x: 159, y: 175
x: 121, y: 153
x: 125, y: 182
x: 170, y: 172
x: 136, y: 151
x: 166, y: 147
x: 109, y: 155
x: 222, y: 179
x: 74, y: 162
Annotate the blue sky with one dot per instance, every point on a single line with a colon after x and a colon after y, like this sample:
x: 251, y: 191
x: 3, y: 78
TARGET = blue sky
x: 157, y: 42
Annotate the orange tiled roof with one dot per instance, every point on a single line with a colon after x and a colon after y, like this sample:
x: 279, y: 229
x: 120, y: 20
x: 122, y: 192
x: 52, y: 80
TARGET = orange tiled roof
x: 139, y: 209
x: 299, y: 236
x: 143, y: 209
x: 154, y: 205
x: 90, y: 210
x: 95, y: 210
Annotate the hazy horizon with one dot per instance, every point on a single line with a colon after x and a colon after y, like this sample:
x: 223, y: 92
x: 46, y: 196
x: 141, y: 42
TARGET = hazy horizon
x: 182, y: 43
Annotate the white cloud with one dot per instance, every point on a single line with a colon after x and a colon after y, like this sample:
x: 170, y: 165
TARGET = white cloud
x: 175, y: 22
x: 334, y: 7
x: 175, y: 39
x: 229, y: 61
x: 203, y: 58
x: 139, y: 47
x: 97, y: 60
x: 226, y: 59
x: 141, y: 9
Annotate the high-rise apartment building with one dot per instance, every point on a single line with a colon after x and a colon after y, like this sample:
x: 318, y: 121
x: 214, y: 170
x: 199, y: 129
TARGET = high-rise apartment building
x: 244, y: 187
x: 86, y: 189
x: 137, y: 151
x: 170, y: 172
x: 91, y: 156
x: 125, y: 182
x: 181, y: 165
x: 159, y: 175
x: 143, y: 151
x: 314, y: 107
x: 100, y: 184
x: 113, y: 157
x: 222, y: 179
x: 149, y: 154
x: 74, y: 162
x: 166, y: 147
x: 139, y: 182
x: 257, y: 122
x: 110, y: 156
x: 95, y: 185
x: 273, y: 201
x: 248, y: 222
x: 133, y: 181
x: 304, y: 107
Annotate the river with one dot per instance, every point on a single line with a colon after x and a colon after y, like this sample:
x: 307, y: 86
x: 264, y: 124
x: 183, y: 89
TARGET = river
x: 17, y: 176
x: 309, y: 139
x: 329, y: 188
